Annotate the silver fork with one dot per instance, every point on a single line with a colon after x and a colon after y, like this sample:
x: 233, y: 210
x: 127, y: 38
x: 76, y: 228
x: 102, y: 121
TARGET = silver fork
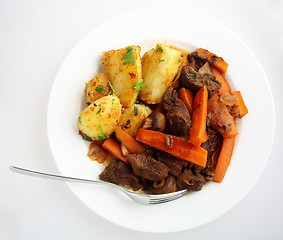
x: 140, y: 198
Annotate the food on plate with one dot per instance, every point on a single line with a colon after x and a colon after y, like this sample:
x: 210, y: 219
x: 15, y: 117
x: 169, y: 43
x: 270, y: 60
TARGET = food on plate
x: 124, y: 70
x: 99, y: 119
x: 97, y: 88
x: 160, y: 65
x: 164, y: 122
x: 132, y: 118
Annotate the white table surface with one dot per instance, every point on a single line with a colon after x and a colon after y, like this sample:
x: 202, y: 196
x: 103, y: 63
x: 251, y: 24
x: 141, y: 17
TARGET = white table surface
x: 35, y: 38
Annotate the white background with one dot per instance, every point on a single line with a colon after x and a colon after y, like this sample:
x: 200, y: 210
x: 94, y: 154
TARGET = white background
x: 36, y: 36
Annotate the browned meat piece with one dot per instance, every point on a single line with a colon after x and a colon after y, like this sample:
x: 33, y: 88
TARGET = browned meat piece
x: 147, y: 167
x: 178, y: 119
x: 168, y: 186
x: 174, y: 164
x: 120, y: 173
x: 181, y: 185
x: 195, y: 61
x: 194, y: 181
x: 194, y: 80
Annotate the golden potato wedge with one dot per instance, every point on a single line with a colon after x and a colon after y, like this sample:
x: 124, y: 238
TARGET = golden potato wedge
x: 123, y: 67
x: 159, y: 68
x: 100, y: 118
x: 96, y: 88
x: 133, y: 117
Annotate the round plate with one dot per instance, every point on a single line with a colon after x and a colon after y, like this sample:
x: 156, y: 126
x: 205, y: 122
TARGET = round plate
x: 189, y: 31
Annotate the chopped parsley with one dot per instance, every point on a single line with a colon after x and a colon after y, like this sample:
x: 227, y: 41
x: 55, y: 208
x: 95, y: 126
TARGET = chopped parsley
x: 100, y: 88
x: 179, y: 60
x: 112, y: 92
x: 80, y: 120
x: 159, y: 49
x: 161, y: 60
x: 129, y: 56
x: 113, y: 100
x: 136, y: 111
x: 99, y: 110
x: 85, y: 137
x: 103, y: 135
x: 98, y: 79
x: 139, y: 84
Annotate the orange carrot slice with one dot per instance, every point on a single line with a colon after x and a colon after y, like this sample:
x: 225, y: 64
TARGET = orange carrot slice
x: 173, y: 145
x: 187, y: 97
x: 241, y: 104
x: 132, y: 145
x: 198, y: 133
x: 224, y: 159
x: 220, y: 77
x: 114, y: 148
x: 213, y: 59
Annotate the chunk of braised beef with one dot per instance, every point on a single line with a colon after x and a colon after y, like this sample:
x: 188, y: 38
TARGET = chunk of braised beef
x: 195, y: 61
x: 120, y: 173
x: 194, y: 80
x: 174, y: 164
x: 194, y: 181
x: 178, y: 119
x: 168, y: 186
x: 147, y: 167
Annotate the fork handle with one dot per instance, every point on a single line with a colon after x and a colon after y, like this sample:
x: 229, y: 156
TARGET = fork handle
x: 54, y: 176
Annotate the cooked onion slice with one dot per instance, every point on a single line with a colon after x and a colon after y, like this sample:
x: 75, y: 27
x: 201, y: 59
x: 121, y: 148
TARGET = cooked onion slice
x: 228, y: 99
x: 97, y: 153
x: 124, y: 150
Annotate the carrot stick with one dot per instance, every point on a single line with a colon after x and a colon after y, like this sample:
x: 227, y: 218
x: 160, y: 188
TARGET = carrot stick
x: 214, y: 60
x: 220, y: 118
x: 220, y: 77
x: 224, y: 159
x: 198, y: 133
x: 129, y: 142
x: 114, y: 148
x: 187, y: 97
x: 241, y: 104
x: 173, y: 145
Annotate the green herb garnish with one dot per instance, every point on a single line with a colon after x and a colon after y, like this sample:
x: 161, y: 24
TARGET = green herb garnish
x: 161, y: 60
x: 98, y: 79
x: 100, y: 88
x: 113, y: 90
x: 136, y: 111
x: 80, y: 120
x: 129, y: 56
x: 139, y: 85
x: 99, y: 110
x: 85, y: 137
x: 159, y: 49
x: 103, y: 136
x: 113, y: 100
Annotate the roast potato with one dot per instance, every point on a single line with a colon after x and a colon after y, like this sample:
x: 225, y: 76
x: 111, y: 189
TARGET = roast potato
x: 123, y: 67
x: 160, y: 65
x: 132, y: 118
x: 96, y: 88
x: 100, y: 118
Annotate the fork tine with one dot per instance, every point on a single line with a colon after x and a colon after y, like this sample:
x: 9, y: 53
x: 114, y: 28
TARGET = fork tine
x: 170, y: 197
x: 166, y: 199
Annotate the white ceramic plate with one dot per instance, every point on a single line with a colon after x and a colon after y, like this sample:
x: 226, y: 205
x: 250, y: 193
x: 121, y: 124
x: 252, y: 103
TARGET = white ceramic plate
x: 190, y: 31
